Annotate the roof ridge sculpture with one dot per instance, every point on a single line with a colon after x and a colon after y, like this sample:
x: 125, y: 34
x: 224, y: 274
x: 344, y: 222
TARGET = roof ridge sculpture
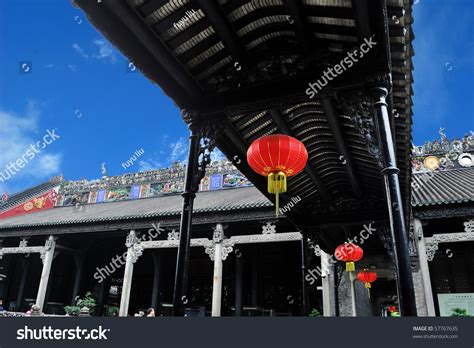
x: 443, y: 154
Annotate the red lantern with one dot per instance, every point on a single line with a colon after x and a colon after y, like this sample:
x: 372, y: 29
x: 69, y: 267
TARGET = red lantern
x: 350, y: 253
x: 367, y: 277
x: 277, y: 157
x: 392, y: 309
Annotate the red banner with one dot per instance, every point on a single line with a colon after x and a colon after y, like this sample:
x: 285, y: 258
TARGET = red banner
x: 39, y: 203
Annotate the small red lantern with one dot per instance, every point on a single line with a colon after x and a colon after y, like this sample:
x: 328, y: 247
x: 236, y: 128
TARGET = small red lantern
x: 367, y: 277
x: 277, y: 156
x: 350, y: 253
x: 392, y: 309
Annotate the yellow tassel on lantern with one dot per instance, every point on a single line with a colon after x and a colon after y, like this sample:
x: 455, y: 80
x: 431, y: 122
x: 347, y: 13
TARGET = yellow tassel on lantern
x: 367, y: 286
x: 277, y: 185
x: 350, y: 266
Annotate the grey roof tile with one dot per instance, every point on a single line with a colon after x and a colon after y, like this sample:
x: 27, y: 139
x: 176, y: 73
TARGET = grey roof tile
x: 443, y: 187
x: 166, y: 205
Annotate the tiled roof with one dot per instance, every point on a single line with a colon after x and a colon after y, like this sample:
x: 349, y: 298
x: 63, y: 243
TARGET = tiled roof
x: 167, y: 205
x: 443, y: 187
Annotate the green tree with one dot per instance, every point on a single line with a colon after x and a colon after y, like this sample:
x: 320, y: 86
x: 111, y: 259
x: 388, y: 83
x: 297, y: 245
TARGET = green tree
x: 88, y: 301
x: 314, y: 313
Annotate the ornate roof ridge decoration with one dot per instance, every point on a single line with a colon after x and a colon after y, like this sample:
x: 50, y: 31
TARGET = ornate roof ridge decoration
x: 175, y: 172
x: 443, y: 154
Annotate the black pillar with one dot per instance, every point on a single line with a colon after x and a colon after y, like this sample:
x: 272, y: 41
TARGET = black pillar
x: 79, y: 260
x: 254, y: 274
x: 304, y: 292
x: 238, y: 283
x: 155, y: 296
x: 25, y: 262
x: 398, y: 229
x: 336, y: 289
x: 182, y: 264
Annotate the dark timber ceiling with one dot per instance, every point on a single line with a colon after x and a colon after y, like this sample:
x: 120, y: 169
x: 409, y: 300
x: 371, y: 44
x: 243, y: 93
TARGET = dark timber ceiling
x: 248, y: 64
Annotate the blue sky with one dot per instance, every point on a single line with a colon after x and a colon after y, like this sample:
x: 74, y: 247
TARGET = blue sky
x: 80, y: 86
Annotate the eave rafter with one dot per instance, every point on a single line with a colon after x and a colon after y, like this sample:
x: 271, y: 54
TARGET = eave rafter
x: 223, y: 28
x: 301, y: 28
x: 332, y: 119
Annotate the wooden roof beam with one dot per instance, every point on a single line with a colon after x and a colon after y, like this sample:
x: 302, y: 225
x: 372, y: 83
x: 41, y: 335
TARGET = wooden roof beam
x: 332, y: 119
x: 263, y: 96
x: 223, y: 28
x: 361, y: 15
x: 309, y: 169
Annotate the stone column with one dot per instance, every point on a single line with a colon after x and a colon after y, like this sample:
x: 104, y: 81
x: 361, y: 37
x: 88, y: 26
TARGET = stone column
x: 25, y: 263
x: 79, y: 260
x: 134, y: 251
x: 424, y: 268
x: 218, y: 251
x: 217, y: 281
x: 155, y: 296
x: 47, y: 257
x: 326, y: 285
x: 353, y: 295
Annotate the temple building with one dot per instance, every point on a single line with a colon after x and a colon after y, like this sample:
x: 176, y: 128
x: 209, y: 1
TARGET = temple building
x: 335, y: 76
x: 62, y: 239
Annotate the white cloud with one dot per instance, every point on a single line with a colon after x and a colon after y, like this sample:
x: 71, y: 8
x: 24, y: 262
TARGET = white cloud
x: 101, y: 51
x: 17, y: 133
x: 167, y: 154
x: 149, y: 164
x: 105, y: 52
x: 179, y: 150
x: 72, y: 67
x: 217, y: 155
x: 80, y: 51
